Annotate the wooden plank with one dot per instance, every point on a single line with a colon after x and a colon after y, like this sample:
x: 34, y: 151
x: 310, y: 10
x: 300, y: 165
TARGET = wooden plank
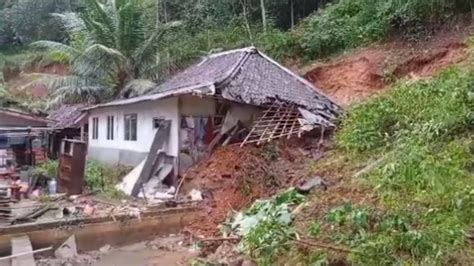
x: 22, y: 245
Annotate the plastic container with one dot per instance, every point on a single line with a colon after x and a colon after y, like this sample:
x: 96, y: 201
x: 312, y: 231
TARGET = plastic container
x: 52, y: 185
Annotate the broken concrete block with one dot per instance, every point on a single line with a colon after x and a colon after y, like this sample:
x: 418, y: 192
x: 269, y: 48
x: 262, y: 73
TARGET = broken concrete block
x: 68, y: 249
x: 105, y: 248
x: 195, y: 195
x: 89, y: 210
x: 315, y: 182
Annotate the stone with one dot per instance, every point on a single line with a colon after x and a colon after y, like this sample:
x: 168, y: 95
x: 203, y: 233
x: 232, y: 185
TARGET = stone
x: 315, y: 182
x: 68, y: 249
x: 105, y: 248
x: 89, y: 210
x: 195, y: 195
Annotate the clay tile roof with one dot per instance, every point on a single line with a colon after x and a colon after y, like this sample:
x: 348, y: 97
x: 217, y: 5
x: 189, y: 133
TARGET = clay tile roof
x: 66, y: 116
x: 246, y: 76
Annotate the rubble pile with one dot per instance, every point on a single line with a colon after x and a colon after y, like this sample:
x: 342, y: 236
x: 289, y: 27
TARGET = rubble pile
x: 233, y: 178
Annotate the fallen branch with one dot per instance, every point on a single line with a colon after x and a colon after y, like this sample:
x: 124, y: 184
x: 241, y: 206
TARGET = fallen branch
x: 371, y: 166
x: 179, y: 186
x: 324, y: 246
x: 216, y: 239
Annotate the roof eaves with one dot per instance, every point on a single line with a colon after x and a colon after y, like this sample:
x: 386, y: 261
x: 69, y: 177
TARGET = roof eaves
x: 195, y: 89
x: 25, y: 115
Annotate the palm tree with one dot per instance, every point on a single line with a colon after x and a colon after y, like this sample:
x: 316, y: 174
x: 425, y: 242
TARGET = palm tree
x: 113, y: 46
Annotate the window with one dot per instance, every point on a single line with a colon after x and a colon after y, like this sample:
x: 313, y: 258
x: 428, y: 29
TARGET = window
x: 157, y: 122
x: 130, y: 122
x: 95, y: 128
x: 110, y: 127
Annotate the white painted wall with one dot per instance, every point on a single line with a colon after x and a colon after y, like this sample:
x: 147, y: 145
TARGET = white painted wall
x: 146, y: 111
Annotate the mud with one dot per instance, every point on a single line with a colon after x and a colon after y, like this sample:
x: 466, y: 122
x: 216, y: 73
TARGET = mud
x: 352, y: 78
x: 233, y: 177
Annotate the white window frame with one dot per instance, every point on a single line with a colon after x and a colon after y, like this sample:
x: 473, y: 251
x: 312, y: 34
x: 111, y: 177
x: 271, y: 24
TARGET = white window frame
x: 110, y: 127
x: 95, y: 128
x: 128, y: 127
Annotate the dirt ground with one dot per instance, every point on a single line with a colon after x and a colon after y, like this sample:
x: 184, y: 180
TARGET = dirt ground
x: 367, y: 71
x: 233, y: 178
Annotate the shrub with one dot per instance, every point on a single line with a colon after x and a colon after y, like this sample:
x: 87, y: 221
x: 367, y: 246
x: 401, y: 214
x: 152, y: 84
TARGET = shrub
x: 351, y: 23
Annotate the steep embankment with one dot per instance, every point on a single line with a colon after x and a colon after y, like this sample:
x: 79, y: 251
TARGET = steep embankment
x: 359, y: 74
x: 403, y: 167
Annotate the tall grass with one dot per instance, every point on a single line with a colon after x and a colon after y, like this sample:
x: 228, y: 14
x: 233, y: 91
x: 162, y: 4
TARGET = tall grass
x: 351, y: 23
x: 426, y: 182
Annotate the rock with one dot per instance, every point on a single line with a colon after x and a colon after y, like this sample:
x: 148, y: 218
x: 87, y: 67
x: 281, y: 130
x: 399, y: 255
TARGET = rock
x: 315, y: 182
x: 68, y: 249
x: 105, y: 249
x: 195, y: 195
x: 89, y: 210
x: 248, y: 263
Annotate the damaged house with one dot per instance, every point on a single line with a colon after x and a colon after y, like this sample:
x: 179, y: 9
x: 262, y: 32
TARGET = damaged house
x: 238, y: 96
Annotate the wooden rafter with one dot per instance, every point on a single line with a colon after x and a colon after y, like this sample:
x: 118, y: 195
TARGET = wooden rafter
x: 276, y: 122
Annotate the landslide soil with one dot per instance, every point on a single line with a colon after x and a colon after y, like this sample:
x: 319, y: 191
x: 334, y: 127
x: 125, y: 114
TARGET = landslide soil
x: 232, y: 178
x: 353, y: 77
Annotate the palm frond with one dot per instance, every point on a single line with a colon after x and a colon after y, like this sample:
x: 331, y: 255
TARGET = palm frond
x: 71, y: 21
x: 99, y: 62
x: 82, y: 94
x: 56, y: 47
x: 137, y: 87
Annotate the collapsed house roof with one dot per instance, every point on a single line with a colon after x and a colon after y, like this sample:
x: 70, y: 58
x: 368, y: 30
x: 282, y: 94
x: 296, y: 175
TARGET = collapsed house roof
x: 66, y: 116
x: 246, y: 76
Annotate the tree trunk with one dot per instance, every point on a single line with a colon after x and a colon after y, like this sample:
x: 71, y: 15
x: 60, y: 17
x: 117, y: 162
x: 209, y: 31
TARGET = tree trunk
x: 165, y: 12
x: 292, y: 15
x: 158, y: 3
x: 264, y: 16
x: 247, y: 25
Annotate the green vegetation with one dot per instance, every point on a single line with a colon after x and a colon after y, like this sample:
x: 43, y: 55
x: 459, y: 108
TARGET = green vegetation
x: 102, y: 179
x: 423, y: 131
x: 348, y: 23
x: 49, y: 168
x: 266, y: 227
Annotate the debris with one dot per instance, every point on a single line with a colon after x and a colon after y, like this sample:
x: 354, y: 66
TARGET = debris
x: 105, y: 249
x: 37, y: 212
x: 130, y: 179
x: 89, y: 210
x: 161, y: 195
x: 232, y: 178
x: 26, y: 253
x: 68, y: 249
x: 315, y: 182
x: 195, y: 195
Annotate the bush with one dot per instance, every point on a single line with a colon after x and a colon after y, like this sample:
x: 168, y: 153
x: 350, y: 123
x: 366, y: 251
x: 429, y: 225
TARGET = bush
x: 351, y: 23
x: 425, y: 183
x: 102, y: 179
x: 423, y: 111
x: 49, y: 168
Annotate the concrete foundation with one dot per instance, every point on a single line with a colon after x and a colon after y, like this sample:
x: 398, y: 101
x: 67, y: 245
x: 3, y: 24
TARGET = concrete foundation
x: 93, y: 233
x: 116, y: 156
